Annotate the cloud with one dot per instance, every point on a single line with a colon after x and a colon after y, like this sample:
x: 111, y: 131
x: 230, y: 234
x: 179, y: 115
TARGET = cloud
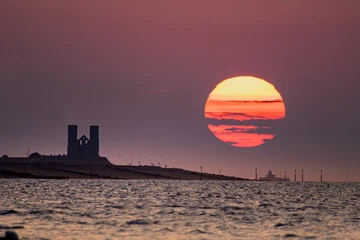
x: 262, y: 101
x: 250, y: 122
x: 231, y: 116
x: 242, y: 136
x: 250, y: 129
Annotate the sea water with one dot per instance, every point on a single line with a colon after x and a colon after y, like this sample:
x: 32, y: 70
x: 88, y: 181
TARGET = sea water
x: 166, y: 209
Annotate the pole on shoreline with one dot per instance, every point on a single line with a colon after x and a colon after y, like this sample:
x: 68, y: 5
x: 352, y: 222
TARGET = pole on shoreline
x: 295, y: 175
x: 302, y: 175
x: 28, y: 152
x: 256, y: 174
x: 321, y: 176
x: 285, y: 175
x: 201, y: 178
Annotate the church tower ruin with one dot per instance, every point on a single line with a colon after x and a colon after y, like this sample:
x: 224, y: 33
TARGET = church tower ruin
x: 82, y: 148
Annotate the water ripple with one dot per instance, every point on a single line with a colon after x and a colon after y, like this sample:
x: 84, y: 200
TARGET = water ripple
x: 173, y: 209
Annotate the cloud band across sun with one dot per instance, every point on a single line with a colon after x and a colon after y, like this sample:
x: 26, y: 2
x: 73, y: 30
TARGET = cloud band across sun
x: 242, y: 100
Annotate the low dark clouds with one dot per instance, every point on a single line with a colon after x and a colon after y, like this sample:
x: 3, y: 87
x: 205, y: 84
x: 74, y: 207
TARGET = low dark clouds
x: 258, y: 123
x: 264, y: 101
x: 257, y: 130
x: 230, y: 114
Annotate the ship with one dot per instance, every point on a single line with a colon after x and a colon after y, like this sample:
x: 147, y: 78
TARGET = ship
x: 272, y: 177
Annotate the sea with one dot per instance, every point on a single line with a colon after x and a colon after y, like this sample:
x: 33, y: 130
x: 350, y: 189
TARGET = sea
x: 167, y: 209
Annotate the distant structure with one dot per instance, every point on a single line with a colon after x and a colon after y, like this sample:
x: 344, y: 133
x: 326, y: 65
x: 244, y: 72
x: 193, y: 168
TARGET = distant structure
x: 79, y: 151
x: 83, y: 148
x: 321, y: 176
x: 272, y: 177
x: 302, y: 175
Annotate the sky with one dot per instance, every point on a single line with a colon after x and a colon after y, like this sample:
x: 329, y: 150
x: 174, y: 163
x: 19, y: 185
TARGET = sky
x: 143, y: 70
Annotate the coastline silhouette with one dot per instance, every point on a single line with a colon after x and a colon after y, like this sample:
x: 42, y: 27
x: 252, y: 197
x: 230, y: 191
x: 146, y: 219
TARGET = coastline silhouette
x: 84, y: 161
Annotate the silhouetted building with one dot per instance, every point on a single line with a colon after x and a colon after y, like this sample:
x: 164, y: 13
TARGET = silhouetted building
x: 79, y: 151
x: 272, y: 177
x: 83, y: 148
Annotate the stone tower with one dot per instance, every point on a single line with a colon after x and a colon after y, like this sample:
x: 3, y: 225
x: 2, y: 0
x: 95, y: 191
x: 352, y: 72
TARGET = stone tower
x: 94, y: 140
x: 72, y: 149
x: 83, y: 148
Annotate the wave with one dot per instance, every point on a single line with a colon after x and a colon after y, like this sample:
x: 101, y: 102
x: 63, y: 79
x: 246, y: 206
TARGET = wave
x: 3, y: 227
x: 141, y: 222
x: 41, y: 212
x: 7, y: 212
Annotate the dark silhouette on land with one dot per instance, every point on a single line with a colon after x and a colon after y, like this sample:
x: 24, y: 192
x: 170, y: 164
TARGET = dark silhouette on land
x: 321, y: 176
x: 272, y: 177
x: 79, y: 151
x: 83, y: 148
x: 83, y: 161
x: 302, y: 175
x: 35, y: 155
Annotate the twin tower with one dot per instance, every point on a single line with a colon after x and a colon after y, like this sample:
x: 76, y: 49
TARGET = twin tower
x: 83, y: 148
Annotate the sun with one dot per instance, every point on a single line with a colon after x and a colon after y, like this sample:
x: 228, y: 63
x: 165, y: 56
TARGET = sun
x: 242, y: 111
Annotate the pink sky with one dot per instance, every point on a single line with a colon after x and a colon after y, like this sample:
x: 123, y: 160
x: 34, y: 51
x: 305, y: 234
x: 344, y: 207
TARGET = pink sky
x: 143, y: 70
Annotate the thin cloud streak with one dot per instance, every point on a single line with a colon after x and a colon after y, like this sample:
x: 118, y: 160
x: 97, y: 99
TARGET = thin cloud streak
x: 241, y: 136
x: 255, y: 101
x: 254, y: 122
x: 268, y: 110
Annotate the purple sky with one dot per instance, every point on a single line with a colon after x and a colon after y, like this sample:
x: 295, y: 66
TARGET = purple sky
x: 143, y: 71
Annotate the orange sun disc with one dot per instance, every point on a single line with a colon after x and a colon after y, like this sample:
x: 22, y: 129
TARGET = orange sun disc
x: 243, y: 111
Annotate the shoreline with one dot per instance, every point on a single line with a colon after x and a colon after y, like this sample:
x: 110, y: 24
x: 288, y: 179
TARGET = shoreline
x: 87, y: 171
